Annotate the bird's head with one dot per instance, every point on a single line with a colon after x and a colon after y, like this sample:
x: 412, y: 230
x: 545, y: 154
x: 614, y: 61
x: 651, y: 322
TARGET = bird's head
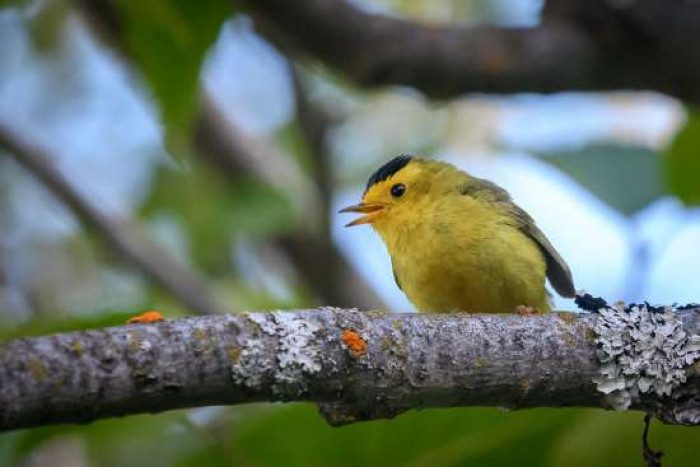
x: 394, y: 192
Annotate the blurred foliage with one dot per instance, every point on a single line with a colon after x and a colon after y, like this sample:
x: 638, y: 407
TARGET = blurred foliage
x: 295, y: 435
x: 212, y: 210
x: 291, y: 137
x: 12, y: 3
x: 169, y: 39
x: 682, y: 161
x: 48, y: 23
x: 115, y: 442
x: 625, y: 178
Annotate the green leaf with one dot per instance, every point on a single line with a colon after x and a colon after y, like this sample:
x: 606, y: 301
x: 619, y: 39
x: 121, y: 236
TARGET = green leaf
x: 626, y: 178
x: 682, y: 162
x: 168, y: 40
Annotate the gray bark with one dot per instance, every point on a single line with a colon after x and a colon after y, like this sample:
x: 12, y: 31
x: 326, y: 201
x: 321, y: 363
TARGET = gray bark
x: 410, y: 361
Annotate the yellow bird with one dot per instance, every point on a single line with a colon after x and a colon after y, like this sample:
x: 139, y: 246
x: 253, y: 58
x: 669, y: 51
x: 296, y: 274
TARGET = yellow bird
x: 458, y: 242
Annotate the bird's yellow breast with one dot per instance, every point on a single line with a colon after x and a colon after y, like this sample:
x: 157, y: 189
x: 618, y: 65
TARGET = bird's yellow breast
x: 458, y: 254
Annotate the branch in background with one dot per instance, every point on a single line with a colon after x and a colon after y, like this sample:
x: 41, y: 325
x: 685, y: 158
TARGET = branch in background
x: 124, y: 236
x: 442, y: 61
x: 589, y: 45
x: 370, y: 365
x: 314, y: 124
x: 219, y: 140
x: 353, y: 291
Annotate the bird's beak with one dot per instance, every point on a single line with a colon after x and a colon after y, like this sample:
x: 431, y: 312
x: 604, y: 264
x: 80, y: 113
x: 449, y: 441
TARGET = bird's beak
x: 372, y: 211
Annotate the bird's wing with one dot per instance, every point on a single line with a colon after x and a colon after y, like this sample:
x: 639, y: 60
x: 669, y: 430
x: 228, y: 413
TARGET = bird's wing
x: 396, y: 279
x: 557, y: 270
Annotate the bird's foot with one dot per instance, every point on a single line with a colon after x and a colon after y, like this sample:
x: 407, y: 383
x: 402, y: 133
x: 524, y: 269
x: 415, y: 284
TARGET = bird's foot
x: 150, y: 316
x: 524, y: 310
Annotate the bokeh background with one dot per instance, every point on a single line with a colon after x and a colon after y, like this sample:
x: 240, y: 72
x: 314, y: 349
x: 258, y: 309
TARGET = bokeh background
x: 208, y: 167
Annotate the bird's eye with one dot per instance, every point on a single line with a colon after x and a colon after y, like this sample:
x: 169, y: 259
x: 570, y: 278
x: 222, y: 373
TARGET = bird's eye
x: 398, y: 190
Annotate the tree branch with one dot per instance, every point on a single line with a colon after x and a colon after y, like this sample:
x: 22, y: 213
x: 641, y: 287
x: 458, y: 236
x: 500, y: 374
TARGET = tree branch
x: 370, y: 365
x: 123, y: 236
x: 587, y: 45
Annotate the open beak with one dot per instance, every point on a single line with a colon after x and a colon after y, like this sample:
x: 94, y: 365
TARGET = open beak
x: 371, y: 211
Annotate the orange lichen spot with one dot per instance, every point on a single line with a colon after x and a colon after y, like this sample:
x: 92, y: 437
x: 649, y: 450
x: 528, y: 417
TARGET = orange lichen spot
x: 150, y: 316
x: 355, y: 342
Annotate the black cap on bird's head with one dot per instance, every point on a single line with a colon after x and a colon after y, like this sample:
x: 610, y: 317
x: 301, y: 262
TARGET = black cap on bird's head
x: 387, y: 170
x: 373, y: 210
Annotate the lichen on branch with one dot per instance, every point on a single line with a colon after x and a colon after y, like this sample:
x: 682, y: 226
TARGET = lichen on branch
x: 358, y: 365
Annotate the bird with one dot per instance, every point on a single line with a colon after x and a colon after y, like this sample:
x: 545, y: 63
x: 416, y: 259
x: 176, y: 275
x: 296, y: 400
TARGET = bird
x: 458, y: 242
